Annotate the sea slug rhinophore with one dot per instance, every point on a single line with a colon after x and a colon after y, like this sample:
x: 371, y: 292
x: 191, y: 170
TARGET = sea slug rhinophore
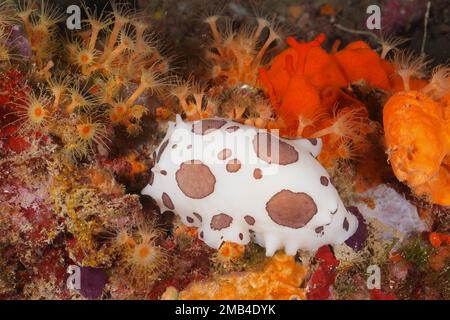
x: 237, y: 183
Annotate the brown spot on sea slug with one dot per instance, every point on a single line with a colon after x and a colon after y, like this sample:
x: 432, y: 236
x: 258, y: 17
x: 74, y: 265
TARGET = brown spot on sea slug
x: 232, y: 129
x: 249, y: 219
x: 257, y: 174
x: 195, y: 179
x: 199, y: 217
x: 204, y: 127
x: 161, y: 150
x: 265, y: 146
x: 167, y: 201
x: 233, y: 165
x: 221, y: 221
x: 224, y: 154
x: 345, y: 224
x: 324, y: 181
x: 291, y: 209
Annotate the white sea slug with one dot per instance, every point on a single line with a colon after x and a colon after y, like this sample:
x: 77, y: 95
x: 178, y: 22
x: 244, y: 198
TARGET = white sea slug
x: 237, y: 183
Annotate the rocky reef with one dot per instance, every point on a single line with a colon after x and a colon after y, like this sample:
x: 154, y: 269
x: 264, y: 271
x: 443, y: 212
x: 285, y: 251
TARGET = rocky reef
x: 82, y: 113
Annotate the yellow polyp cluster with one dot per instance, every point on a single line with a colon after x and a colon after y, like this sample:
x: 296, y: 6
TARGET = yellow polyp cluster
x: 90, y: 132
x: 58, y: 88
x: 348, y: 151
x: 79, y: 97
x: 236, y: 55
x: 70, y: 109
x: 129, y: 117
x: 348, y: 124
x: 279, y: 279
x: 39, y: 22
x: 137, y: 165
x: 229, y: 255
x: 122, y: 60
x: 66, y: 130
x: 390, y: 43
x: 116, y: 44
x: 32, y: 114
x: 116, y: 62
x: 37, y: 112
x: 345, y: 135
x: 193, y: 100
x: 243, y: 106
x: 196, y: 102
x: 141, y: 258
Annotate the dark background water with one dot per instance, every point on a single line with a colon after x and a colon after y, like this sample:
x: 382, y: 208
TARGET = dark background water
x: 179, y: 26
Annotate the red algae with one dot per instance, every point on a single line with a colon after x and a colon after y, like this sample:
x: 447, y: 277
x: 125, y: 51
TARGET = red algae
x: 320, y: 285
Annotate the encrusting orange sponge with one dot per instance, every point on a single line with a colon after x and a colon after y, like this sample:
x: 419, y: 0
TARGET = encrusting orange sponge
x: 417, y: 135
x: 305, y: 83
x: 280, y: 279
x: 359, y: 62
x: 296, y: 79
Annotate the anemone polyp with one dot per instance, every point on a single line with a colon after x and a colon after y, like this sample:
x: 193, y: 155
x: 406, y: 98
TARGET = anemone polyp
x: 347, y: 150
x: 80, y: 97
x: 91, y: 132
x: 347, y: 124
x: 142, y: 257
x: 439, y: 84
x: 33, y: 114
x: 85, y: 57
x: 117, y: 112
x: 407, y: 65
x: 237, y: 55
x: 144, y: 254
x: 120, y: 108
x: 37, y: 113
x: 151, y: 79
x: 86, y: 131
x: 123, y: 238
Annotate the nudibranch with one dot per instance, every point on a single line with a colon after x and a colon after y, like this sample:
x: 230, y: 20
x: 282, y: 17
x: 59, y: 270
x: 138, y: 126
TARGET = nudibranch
x: 237, y: 183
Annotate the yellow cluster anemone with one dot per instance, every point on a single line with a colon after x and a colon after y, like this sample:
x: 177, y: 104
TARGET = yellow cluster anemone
x: 112, y: 63
x: 39, y: 22
x: 236, y: 55
x: 141, y: 259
